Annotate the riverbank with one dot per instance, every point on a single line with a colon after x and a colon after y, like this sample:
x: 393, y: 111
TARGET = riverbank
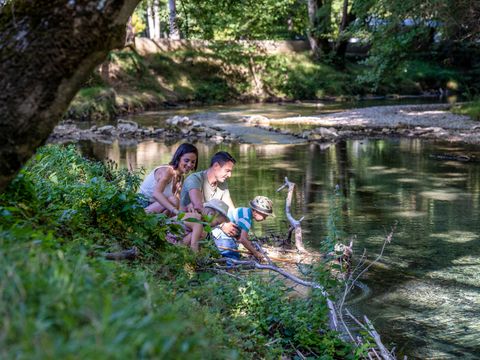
x: 162, y: 76
x: 432, y: 122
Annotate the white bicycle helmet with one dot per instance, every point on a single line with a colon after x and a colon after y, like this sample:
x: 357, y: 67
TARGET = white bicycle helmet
x: 263, y: 205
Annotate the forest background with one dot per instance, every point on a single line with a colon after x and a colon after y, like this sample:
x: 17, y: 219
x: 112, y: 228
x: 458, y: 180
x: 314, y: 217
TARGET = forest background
x: 221, y: 51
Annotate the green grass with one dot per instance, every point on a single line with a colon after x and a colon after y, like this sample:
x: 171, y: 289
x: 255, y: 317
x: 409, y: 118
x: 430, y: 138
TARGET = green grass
x: 471, y: 109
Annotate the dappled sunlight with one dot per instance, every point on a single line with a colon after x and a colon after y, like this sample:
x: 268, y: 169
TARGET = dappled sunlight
x: 446, y: 181
x: 409, y: 214
x: 456, y: 164
x: 447, y: 313
x: 388, y: 171
x: 467, y: 260
x: 466, y: 274
x: 408, y: 180
x: 377, y: 168
x: 285, y: 165
x: 456, y: 236
x: 442, y: 195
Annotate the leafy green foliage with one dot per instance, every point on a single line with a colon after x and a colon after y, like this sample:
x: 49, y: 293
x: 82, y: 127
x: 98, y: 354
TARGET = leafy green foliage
x: 61, y: 299
x: 74, y: 196
x: 234, y: 20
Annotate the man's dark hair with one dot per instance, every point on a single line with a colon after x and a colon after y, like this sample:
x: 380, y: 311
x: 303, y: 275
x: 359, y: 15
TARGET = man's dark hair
x: 221, y: 158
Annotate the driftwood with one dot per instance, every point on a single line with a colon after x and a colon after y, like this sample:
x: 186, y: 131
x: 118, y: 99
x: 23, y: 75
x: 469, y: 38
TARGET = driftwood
x: 296, y: 226
x: 129, y: 254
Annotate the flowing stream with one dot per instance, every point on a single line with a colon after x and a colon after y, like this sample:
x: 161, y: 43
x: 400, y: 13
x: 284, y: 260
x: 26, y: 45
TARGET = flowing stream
x: 425, y: 291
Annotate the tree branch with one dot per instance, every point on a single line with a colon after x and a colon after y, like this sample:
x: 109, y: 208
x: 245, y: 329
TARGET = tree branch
x: 297, y: 228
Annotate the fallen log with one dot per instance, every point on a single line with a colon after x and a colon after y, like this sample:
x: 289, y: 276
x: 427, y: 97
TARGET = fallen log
x: 129, y: 254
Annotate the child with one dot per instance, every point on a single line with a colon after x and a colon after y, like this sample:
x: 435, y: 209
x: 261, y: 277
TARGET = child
x: 194, y: 230
x: 260, y: 208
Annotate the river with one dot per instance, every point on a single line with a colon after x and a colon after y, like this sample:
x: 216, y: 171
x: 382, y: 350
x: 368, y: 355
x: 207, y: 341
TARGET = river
x: 425, y: 297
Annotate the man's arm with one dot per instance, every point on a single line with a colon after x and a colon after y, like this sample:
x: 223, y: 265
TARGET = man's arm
x: 191, y: 198
x: 227, y: 199
x: 196, y: 199
x: 249, y: 246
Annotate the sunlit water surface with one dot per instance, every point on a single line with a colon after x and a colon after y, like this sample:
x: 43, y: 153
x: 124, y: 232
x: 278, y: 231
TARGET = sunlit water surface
x: 425, y: 297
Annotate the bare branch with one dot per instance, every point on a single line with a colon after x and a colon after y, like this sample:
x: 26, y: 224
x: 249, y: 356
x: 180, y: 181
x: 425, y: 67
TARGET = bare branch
x: 386, y: 355
x: 297, y: 228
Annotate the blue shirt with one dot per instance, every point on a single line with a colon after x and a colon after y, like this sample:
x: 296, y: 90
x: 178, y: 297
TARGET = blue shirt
x: 242, y: 217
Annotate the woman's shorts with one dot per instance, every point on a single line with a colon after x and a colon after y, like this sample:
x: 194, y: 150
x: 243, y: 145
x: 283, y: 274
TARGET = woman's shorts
x: 142, y: 200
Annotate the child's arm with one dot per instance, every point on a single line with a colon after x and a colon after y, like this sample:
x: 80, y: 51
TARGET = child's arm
x: 196, y: 229
x: 249, y: 246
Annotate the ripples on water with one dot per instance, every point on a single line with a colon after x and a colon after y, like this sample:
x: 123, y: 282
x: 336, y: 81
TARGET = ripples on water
x: 426, y: 290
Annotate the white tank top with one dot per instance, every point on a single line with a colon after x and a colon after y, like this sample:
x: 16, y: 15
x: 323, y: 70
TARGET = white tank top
x: 148, y: 185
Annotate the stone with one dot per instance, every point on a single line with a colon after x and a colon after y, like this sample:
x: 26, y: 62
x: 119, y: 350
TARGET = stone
x: 258, y: 119
x: 306, y: 134
x: 217, y: 139
x: 127, y: 127
x: 106, y: 130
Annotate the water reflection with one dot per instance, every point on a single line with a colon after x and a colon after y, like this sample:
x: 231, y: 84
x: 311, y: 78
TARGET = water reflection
x: 426, y: 290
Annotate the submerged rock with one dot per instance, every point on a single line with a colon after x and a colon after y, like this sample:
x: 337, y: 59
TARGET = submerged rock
x: 106, y: 130
x: 127, y: 126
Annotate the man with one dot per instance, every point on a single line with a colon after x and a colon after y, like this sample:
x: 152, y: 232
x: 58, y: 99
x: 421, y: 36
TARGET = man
x: 209, y: 184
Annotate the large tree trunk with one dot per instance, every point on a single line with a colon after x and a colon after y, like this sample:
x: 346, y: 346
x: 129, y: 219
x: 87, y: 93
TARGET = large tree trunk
x: 342, y: 41
x: 153, y: 19
x: 174, y: 32
x: 156, y: 19
x: 48, y: 48
x: 319, y: 12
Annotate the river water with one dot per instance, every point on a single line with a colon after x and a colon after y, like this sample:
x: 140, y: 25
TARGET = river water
x: 425, y: 297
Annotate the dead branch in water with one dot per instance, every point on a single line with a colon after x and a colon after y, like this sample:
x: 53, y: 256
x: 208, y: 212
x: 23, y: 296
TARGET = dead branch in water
x: 295, y: 224
x: 349, y: 284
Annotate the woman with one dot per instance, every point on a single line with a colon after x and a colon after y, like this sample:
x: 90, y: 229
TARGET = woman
x: 161, y: 188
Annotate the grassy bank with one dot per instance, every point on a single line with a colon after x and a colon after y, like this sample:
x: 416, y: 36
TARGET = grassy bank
x: 229, y: 72
x: 61, y: 298
x: 471, y: 109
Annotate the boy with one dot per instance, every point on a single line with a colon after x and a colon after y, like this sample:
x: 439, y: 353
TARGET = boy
x: 193, y: 231
x: 260, y: 208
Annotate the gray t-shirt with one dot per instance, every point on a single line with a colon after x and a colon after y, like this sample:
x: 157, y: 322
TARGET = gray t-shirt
x: 199, y: 181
